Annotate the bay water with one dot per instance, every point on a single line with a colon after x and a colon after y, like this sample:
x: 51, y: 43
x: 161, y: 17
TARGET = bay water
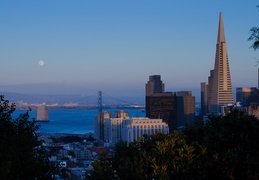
x: 73, y: 121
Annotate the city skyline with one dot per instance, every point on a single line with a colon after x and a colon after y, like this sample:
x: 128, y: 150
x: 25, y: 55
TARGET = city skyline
x: 86, y: 46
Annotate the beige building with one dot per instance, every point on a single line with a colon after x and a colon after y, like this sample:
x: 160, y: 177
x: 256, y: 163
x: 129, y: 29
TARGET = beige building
x: 136, y: 127
x: 99, y: 125
x: 219, y: 83
x: 130, y: 129
x: 185, y: 108
x: 204, y: 98
x: 154, y: 85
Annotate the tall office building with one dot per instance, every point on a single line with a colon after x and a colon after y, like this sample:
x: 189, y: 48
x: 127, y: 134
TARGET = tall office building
x: 220, y: 88
x: 204, y: 98
x: 162, y: 106
x: 243, y: 93
x: 121, y: 114
x: 99, y: 124
x: 154, y: 85
x: 185, y: 108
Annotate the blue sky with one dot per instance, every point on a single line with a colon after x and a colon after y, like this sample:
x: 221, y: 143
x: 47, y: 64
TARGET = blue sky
x: 113, y: 46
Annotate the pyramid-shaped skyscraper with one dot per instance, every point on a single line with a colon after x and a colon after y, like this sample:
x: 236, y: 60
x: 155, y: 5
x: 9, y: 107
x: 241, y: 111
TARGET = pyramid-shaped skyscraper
x: 218, y: 89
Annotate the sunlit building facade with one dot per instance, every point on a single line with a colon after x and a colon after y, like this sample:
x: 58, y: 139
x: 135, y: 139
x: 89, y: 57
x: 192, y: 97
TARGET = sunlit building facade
x: 219, y: 89
x: 130, y: 129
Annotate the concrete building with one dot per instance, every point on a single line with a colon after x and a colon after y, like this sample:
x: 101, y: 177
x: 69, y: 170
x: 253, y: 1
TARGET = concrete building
x: 162, y: 106
x: 42, y: 114
x: 113, y: 126
x: 253, y: 110
x: 99, y: 125
x: 135, y: 127
x: 243, y: 93
x: 121, y: 114
x: 185, y: 108
x: 82, y: 153
x: 219, y: 83
x: 154, y: 85
x: 113, y: 129
x: 174, y: 108
x: 204, y: 98
x: 130, y: 129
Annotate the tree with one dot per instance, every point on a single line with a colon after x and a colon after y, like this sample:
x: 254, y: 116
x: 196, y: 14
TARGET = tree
x: 232, y: 142
x: 103, y: 169
x: 159, y: 156
x: 223, y: 147
x: 21, y: 153
x: 254, y: 36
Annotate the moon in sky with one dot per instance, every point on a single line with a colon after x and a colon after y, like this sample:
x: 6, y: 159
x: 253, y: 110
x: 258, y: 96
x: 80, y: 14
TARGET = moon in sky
x: 41, y: 63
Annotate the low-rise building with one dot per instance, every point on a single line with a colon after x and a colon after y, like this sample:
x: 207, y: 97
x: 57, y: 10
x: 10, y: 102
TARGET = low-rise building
x: 130, y: 129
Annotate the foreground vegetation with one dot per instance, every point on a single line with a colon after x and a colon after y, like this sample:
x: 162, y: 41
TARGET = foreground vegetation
x: 222, y: 148
x: 21, y: 153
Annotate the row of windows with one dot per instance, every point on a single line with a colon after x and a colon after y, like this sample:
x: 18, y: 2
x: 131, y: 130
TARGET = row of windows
x: 140, y: 122
x: 148, y: 126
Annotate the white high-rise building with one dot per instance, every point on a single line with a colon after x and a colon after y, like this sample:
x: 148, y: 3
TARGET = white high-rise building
x: 99, y: 125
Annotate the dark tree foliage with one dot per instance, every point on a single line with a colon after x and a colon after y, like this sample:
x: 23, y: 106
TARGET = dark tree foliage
x: 224, y: 147
x: 21, y: 153
x: 90, y: 139
x: 232, y: 142
x: 254, y: 36
x: 103, y: 169
x: 159, y: 156
x: 67, y: 139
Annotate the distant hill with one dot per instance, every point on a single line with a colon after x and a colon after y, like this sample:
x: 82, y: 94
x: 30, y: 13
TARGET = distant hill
x: 61, y: 99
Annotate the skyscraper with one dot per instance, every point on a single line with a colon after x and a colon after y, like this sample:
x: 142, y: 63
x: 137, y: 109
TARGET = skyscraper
x: 204, y: 98
x: 154, y: 85
x: 185, y: 105
x: 220, y: 88
x: 99, y: 124
x: 162, y: 106
x: 243, y: 93
x: 159, y: 104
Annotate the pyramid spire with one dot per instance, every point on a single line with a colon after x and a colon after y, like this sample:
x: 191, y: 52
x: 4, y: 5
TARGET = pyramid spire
x: 221, y: 34
x: 220, y: 87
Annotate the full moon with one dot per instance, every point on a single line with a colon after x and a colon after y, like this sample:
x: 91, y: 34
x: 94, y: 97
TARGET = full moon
x: 41, y: 63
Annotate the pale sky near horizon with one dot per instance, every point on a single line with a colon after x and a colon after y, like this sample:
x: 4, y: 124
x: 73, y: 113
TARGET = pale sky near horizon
x: 90, y: 45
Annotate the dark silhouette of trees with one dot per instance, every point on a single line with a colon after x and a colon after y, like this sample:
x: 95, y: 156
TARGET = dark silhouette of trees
x: 232, y: 142
x: 224, y: 147
x: 103, y: 169
x: 67, y: 139
x: 254, y: 36
x: 21, y: 153
x: 159, y: 156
